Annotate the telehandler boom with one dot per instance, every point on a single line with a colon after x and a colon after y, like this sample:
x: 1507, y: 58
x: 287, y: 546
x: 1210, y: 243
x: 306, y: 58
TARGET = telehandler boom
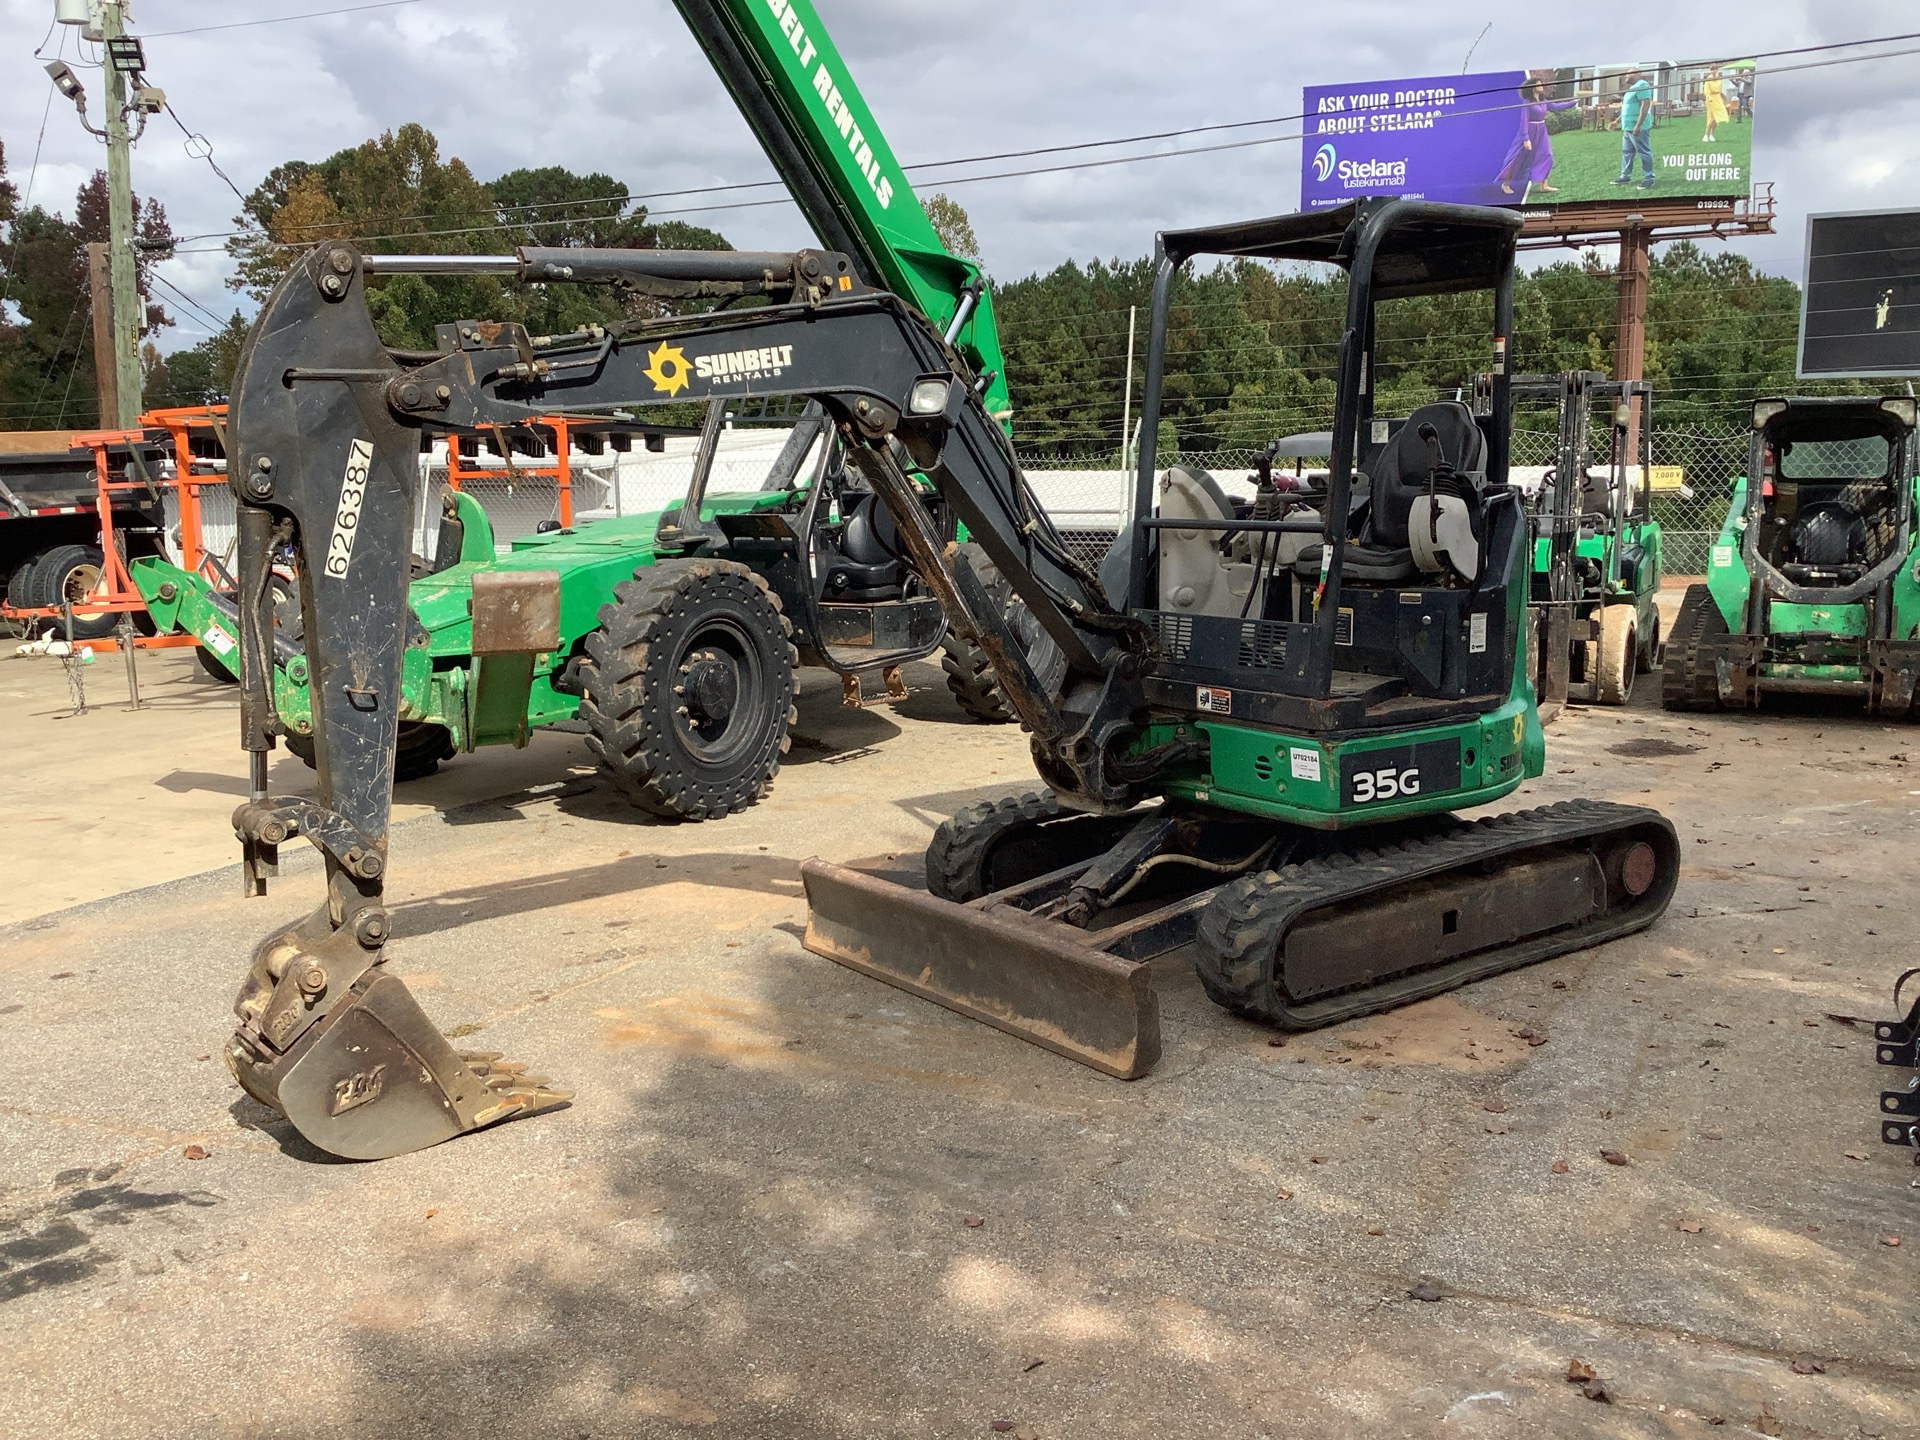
x: 1257, y: 757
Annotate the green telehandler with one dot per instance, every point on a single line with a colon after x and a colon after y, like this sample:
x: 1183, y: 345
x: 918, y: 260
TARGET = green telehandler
x: 705, y: 736
x: 1811, y: 586
x: 1253, y: 750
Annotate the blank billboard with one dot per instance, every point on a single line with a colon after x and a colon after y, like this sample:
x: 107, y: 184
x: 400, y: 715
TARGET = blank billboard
x: 1860, y: 306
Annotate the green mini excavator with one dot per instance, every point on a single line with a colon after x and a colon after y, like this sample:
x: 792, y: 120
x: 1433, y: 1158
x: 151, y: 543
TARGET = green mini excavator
x: 1254, y: 727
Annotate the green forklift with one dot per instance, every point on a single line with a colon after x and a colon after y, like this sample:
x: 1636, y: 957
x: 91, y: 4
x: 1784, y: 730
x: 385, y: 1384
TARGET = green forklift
x: 1810, y: 585
x: 1596, y: 546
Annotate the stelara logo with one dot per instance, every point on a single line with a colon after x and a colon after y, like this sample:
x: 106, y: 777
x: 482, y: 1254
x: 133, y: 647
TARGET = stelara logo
x: 1371, y: 174
x: 1323, y: 159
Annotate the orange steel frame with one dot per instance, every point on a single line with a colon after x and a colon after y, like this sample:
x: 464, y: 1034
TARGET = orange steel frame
x: 559, y: 470
x: 119, y: 594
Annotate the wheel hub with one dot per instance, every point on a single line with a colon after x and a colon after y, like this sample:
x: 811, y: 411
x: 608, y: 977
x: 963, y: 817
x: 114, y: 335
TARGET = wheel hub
x: 710, y: 682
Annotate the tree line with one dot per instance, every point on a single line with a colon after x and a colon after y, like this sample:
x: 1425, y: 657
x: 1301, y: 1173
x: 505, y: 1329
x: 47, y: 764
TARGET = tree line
x: 1251, y: 347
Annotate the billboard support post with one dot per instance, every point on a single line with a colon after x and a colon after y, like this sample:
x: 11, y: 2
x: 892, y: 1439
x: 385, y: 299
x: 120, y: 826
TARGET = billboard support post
x: 1630, y: 319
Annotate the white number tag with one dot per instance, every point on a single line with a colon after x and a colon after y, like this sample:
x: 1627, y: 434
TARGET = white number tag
x: 346, y: 519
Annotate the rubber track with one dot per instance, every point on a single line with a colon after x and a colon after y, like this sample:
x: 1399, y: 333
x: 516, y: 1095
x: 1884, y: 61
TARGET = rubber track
x: 1242, y: 929
x: 957, y: 855
x: 1683, y: 685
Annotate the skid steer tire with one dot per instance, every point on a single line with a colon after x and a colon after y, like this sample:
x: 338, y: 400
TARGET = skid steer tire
x: 421, y: 747
x: 71, y: 573
x: 689, y: 692
x: 1686, y: 682
x: 1617, y: 657
x: 970, y: 676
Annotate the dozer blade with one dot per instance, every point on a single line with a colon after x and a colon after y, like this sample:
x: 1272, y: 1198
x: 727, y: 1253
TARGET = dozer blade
x: 362, y: 1073
x: 1032, y: 978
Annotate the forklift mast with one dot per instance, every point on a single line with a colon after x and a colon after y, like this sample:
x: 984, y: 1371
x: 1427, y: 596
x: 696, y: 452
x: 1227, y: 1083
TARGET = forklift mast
x: 787, y: 78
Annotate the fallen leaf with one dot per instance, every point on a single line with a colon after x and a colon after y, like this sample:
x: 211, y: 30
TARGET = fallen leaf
x: 1779, y: 949
x: 196, y: 1152
x: 1316, y: 1159
x: 1496, y: 1129
x: 1716, y: 1419
x: 1614, y: 1157
x: 1712, y: 1135
x: 1494, y: 1104
x: 1579, y: 1372
x: 203, y: 1057
x: 1559, y: 984
x: 1809, y: 1367
x: 1277, y: 1041
x: 1811, y: 1024
x: 1856, y: 1154
x: 1375, y: 1230
x: 1283, y: 1194
x: 1426, y: 1290
x: 1597, y: 1390
x: 974, y: 1222
x: 1892, y: 1242
x: 1033, y: 1364
x: 1559, y: 1167
x: 432, y: 1213
x: 1767, y: 1423
x: 1001, y: 1427
x: 1688, y: 1227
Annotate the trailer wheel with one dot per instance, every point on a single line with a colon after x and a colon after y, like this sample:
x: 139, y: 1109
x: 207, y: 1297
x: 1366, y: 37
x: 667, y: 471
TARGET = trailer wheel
x: 690, y: 690
x: 214, y: 667
x: 20, y: 586
x: 1686, y: 684
x: 421, y: 747
x: 71, y: 573
x: 1617, y: 664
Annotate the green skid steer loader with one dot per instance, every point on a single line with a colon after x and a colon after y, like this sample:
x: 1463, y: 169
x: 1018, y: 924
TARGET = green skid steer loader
x: 1811, y: 585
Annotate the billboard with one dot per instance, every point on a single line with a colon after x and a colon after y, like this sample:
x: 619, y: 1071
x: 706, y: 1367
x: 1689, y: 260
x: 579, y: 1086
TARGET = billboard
x: 1860, y: 306
x: 1597, y: 133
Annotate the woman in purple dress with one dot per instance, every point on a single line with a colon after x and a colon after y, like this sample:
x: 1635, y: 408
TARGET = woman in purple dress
x: 1530, y: 161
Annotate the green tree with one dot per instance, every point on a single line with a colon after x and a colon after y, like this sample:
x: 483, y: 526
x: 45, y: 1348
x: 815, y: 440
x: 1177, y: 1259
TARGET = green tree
x: 950, y: 223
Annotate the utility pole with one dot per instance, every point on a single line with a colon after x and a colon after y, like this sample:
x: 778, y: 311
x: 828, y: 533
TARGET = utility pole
x: 100, y: 301
x: 128, y: 311
x: 106, y: 21
x: 1630, y: 318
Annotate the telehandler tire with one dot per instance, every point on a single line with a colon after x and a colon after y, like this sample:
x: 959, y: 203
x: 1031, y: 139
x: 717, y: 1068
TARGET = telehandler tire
x: 421, y: 747
x: 970, y: 676
x: 1616, y: 660
x: 689, y: 689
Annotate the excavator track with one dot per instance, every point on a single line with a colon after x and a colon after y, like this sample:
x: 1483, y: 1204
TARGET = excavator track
x: 1364, y: 930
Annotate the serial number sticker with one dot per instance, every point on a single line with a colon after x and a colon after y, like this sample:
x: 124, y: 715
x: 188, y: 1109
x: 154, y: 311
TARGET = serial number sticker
x: 1379, y: 432
x: 1303, y: 764
x: 1375, y: 776
x: 1722, y: 556
x: 1477, y: 632
x: 219, y: 641
x: 346, y: 519
x: 1213, y: 699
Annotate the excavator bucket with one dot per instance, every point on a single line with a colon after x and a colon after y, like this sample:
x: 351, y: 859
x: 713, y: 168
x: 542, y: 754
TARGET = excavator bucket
x: 1033, y: 978
x: 361, y: 1072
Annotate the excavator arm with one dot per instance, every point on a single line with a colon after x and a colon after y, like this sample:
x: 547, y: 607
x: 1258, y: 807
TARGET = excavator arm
x: 328, y: 426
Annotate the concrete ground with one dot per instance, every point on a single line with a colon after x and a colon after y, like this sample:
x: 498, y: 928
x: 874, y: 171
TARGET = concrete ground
x: 791, y: 1202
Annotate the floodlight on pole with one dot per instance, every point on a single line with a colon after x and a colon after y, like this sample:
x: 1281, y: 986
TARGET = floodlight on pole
x: 125, y: 55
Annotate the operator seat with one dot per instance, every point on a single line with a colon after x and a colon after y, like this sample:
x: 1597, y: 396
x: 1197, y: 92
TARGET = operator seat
x: 869, y: 565
x: 1388, y: 552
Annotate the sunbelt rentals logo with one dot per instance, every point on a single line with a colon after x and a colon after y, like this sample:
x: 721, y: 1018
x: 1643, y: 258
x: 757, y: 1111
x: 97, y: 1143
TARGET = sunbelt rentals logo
x: 1323, y: 160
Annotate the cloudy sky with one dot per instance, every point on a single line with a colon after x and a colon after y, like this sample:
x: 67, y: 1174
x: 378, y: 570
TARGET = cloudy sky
x: 620, y: 87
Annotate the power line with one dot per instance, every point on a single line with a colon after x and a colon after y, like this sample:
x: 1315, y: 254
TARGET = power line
x: 278, y: 19
x: 205, y: 313
x: 205, y: 152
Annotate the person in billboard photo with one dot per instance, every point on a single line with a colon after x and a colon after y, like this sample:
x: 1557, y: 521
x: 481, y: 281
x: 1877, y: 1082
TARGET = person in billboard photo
x: 1530, y: 161
x: 1713, y: 95
x: 1636, y: 128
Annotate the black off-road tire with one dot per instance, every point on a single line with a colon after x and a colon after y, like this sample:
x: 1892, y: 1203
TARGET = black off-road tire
x: 689, y: 692
x: 970, y: 676
x: 214, y: 667
x: 53, y: 573
x: 1686, y: 681
x: 421, y: 747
